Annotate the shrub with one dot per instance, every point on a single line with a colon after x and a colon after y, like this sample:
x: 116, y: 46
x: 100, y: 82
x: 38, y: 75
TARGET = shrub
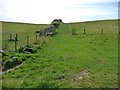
x: 7, y: 64
x: 21, y: 49
x: 4, y: 59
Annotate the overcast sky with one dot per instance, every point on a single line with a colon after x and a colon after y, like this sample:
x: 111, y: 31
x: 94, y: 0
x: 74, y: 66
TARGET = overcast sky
x: 44, y: 11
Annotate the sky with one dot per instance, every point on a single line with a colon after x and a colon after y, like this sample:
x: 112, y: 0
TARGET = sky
x: 45, y: 11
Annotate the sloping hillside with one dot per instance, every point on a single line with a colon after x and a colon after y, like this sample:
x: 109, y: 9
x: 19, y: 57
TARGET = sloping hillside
x: 66, y: 60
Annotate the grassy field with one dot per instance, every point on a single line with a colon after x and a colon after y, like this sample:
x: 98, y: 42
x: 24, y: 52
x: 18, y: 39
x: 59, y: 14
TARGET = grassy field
x: 80, y: 61
x: 20, y: 29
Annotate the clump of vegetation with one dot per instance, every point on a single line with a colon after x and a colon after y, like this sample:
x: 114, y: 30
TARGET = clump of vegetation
x: 41, y: 41
x: 7, y: 64
x: 11, y: 62
x: 21, y: 49
x: 48, y: 84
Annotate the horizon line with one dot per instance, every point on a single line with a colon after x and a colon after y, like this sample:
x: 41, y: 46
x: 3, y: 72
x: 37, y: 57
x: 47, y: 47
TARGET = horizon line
x: 63, y: 22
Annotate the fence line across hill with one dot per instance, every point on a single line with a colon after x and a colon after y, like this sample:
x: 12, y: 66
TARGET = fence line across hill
x: 85, y: 31
x: 45, y: 32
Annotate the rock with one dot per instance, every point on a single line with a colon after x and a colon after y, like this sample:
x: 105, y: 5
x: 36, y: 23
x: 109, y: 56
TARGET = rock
x: 80, y: 78
x: 83, y: 74
x: 14, y: 58
x: 26, y: 52
x: 31, y: 50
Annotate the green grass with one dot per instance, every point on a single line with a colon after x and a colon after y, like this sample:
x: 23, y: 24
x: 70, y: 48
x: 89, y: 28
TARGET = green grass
x: 21, y: 29
x: 62, y: 59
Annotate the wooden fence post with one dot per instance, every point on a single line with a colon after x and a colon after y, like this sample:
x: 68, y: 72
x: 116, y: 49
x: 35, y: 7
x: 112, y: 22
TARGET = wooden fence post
x: 15, y: 44
x: 84, y: 31
x: 10, y: 37
x: 16, y: 37
x: 74, y: 31
x: 27, y: 37
x: 101, y: 31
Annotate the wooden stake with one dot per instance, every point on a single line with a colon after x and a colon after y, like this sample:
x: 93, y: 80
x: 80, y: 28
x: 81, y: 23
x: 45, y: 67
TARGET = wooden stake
x: 10, y: 36
x: 73, y: 31
x: 84, y: 31
x: 16, y: 37
x: 101, y: 31
x: 15, y: 44
x: 27, y: 44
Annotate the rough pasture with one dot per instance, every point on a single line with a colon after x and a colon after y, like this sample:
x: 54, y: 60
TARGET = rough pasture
x: 66, y: 60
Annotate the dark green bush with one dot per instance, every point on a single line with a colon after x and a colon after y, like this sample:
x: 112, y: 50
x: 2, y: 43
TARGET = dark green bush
x: 16, y: 62
x: 21, y: 49
x: 7, y: 64
x: 4, y: 59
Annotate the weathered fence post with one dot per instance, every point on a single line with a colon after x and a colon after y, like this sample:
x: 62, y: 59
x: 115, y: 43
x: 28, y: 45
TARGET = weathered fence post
x: 16, y: 37
x: 27, y: 37
x: 10, y: 37
x: 74, y: 31
x: 15, y: 44
x: 101, y: 31
x: 84, y: 31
